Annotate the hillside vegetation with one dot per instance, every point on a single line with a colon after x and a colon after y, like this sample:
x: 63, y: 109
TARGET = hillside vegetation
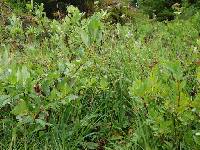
x: 83, y: 83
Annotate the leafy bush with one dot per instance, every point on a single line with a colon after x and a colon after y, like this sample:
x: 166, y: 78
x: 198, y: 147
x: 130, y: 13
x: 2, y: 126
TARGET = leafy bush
x: 88, y: 84
x: 166, y: 9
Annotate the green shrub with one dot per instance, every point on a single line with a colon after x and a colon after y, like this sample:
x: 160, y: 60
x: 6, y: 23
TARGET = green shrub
x: 165, y: 9
x: 83, y: 83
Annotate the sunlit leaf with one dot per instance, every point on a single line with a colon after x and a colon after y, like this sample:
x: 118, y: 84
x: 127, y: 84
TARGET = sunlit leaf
x: 85, y: 38
x: 20, y: 109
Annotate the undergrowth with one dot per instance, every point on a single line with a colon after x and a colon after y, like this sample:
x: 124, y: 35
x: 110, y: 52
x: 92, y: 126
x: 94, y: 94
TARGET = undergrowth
x: 88, y: 84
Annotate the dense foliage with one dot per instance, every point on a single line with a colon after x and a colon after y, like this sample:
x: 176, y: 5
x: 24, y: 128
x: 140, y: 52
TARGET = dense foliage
x: 167, y: 9
x: 89, y: 83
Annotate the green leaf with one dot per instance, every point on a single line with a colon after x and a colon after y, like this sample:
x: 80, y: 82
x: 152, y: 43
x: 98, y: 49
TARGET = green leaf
x: 94, y: 29
x: 138, y: 88
x: 41, y: 122
x: 20, y: 109
x: 85, y: 38
x: 197, y: 139
x: 93, y: 26
x: 25, y: 73
x: 176, y: 69
x: 99, y: 36
x: 4, y: 99
x: 91, y: 145
x: 103, y: 84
